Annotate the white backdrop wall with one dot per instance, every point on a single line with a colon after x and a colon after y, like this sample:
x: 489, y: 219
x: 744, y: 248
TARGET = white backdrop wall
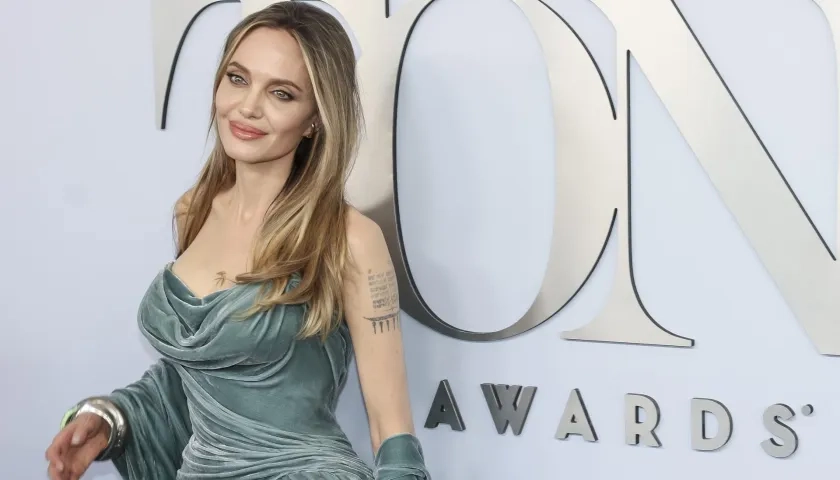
x: 89, y: 183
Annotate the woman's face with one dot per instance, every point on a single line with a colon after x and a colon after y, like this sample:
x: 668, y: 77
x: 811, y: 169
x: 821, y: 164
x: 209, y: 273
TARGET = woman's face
x: 265, y: 103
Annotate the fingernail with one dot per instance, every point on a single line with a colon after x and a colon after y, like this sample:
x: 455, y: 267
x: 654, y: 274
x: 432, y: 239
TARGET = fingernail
x: 60, y: 467
x: 77, y: 439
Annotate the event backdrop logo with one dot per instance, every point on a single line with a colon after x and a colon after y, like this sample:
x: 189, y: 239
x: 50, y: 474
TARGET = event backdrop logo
x: 592, y: 200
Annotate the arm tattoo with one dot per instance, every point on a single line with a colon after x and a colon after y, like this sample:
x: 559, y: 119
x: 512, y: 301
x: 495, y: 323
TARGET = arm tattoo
x: 385, y: 322
x: 383, y: 290
x: 384, y: 296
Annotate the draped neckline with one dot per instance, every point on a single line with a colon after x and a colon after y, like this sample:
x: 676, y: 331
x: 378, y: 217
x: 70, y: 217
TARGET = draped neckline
x: 181, y: 288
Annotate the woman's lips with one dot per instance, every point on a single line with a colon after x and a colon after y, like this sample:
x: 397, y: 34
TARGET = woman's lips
x: 245, y: 132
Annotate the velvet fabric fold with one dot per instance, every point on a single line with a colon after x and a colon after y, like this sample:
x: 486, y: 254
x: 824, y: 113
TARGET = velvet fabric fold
x: 159, y: 427
x: 243, y: 398
x: 400, y: 457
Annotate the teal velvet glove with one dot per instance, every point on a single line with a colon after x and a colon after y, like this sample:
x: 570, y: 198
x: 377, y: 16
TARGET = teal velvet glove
x: 400, y: 458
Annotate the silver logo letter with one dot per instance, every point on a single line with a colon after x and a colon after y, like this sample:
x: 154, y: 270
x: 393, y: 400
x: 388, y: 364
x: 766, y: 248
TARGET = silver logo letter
x: 576, y: 420
x: 637, y: 430
x: 738, y: 164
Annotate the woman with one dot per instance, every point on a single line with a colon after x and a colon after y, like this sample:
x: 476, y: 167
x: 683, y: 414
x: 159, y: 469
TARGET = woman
x: 276, y: 283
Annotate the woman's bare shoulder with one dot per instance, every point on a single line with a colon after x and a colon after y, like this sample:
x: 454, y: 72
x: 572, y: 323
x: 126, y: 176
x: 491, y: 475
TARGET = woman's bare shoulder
x: 360, y: 225
x: 184, y: 201
x: 364, y: 235
x: 182, y: 207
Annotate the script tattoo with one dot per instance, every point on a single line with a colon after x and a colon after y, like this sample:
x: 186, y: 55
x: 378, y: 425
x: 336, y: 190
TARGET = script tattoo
x: 384, y: 296
x: 383, y: 289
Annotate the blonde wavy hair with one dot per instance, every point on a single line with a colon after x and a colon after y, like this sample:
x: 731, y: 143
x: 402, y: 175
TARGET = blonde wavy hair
x: 304, y: 229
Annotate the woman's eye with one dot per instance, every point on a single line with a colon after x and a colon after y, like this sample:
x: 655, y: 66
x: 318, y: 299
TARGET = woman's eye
x: 282, y: 95
x: 234, y: 78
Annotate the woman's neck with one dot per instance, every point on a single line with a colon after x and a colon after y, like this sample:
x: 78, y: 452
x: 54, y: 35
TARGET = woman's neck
x: 256, y: 186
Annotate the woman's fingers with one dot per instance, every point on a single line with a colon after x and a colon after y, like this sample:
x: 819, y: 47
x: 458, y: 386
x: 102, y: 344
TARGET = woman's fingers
x: 64, y: 454
x: 59, y: 447
x: 53, y: 473
x: 85, y: 425
x: 87, y: 453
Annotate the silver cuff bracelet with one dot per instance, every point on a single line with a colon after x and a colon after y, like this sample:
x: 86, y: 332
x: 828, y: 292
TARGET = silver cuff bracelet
x: 112, y: 415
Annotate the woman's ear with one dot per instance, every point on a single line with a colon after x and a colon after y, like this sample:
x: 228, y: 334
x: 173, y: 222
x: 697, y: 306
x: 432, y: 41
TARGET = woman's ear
x: 313, y: 128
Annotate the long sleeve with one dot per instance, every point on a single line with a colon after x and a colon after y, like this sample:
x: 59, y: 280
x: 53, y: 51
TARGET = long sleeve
x: 400, y: 457
x: 159, y: 424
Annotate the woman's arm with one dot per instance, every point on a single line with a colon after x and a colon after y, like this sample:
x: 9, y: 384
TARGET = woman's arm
x: 372, y: 312
x: 155, y: 429
x: 158, y: 423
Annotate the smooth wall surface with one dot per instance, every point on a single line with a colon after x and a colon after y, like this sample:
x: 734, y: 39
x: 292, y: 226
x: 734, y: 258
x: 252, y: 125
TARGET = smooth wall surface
x: 89, y: 183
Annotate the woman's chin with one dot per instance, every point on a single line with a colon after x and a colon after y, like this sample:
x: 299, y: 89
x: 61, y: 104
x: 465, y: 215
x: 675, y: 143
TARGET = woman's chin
x: 246, y: 152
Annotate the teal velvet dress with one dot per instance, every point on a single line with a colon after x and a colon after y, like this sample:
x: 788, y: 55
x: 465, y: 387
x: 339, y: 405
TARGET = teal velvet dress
x: 243, y: 399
